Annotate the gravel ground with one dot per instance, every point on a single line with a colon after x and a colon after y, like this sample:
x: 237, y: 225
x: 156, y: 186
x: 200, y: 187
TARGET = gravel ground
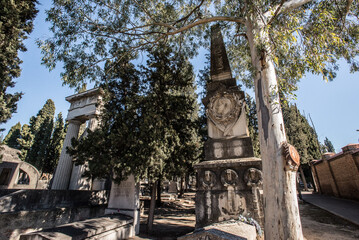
x: 177, y: 217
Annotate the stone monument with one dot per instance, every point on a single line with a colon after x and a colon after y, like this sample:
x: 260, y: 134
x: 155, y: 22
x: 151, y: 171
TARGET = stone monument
x: 229, y: 180
x: 85, y: 107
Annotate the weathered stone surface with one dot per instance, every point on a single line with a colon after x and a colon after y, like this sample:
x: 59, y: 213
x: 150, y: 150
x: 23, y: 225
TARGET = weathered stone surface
x: 172, y: 187
x: 125, y: 199
x: 237, y: 147
x: 225, y: 191
x: 48, y: 199
x: 229, y: 181
x: 220, y: 69
x: 15, y: 173
x: 108, y: 227
x: 84, y: 106
x: 228, y: 231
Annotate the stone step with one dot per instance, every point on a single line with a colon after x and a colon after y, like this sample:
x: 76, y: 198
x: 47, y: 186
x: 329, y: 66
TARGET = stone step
x: 116, y: 226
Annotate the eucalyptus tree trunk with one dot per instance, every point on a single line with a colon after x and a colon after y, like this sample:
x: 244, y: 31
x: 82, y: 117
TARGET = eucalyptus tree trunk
x: 282, y: 219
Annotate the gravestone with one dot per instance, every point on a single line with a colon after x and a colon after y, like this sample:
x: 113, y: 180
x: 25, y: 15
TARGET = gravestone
x: 172, y: 187
x: 124, y: 199
x: 229, y: 180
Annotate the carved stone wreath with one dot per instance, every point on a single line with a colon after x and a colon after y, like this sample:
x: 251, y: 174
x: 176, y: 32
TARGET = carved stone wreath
x: 253, y: 177
x: 224, y: 109
x: 229, y: 177
x: 209, y: 178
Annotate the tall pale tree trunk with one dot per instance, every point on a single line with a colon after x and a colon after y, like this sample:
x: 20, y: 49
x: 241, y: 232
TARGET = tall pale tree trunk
x: 282, y: 219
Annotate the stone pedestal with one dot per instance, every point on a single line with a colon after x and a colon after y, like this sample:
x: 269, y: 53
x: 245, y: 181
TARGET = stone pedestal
x: 124, y: 199
x: 227, y: 189
x: 63, y: 170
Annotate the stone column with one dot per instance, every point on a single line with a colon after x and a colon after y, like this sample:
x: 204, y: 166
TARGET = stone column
x: 63, y: 171
x: 77, y: 182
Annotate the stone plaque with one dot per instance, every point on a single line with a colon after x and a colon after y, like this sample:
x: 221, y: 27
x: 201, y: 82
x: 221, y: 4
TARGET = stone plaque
x: 237, y: 147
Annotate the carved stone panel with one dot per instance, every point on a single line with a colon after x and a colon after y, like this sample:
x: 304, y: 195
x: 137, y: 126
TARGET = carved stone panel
x: 223, y: 110
x: 253, y: 177
x: 209, y: 179
x: 229, y: 177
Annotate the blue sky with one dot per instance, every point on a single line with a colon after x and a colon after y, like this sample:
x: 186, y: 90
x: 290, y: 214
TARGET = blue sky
x: 332, y: 106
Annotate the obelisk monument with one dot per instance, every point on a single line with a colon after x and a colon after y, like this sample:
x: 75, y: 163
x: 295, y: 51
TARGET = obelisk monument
x: 229, y: 180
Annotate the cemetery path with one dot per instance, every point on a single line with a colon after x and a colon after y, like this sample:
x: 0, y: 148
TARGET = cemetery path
x: 177, y: 217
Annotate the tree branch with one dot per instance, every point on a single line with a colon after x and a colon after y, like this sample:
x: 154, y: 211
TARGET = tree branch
x: 286, y: 7
x: 347, y: 7
x: 188, y: 15
x: 206, y: 20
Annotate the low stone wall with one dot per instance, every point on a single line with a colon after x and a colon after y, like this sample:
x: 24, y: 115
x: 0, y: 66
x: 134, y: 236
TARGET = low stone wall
x: 25, y: 211
x: 338, y: 174
x: 13, y: 224
x: 26, y: 200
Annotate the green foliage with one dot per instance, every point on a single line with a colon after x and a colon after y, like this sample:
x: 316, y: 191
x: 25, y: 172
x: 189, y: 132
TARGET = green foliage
x: 307, y: 37
x: 54, y: 147
x: 150, y: 122
x: 328, y: 146
x: 300, y: 134
x: 41, y: 129
x: 40, y: 141
x: 16, y: 22
x: 25, y: 140
x: 12, y: 136
x: 252, y: 123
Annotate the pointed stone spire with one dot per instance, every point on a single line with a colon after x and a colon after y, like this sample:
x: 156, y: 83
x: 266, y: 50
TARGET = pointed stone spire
x: 220, y: 69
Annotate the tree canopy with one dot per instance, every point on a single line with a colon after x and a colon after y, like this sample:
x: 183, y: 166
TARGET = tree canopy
x: 16, y: 23
x: 271, y: 43
x: 149, y: 123
x: 304, y: 35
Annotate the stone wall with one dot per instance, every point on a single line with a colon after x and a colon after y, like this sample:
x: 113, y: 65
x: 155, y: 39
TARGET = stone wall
x: 338, y: 174
x: 26, y: 200
x: 25, y: 211
x: 13, y: 224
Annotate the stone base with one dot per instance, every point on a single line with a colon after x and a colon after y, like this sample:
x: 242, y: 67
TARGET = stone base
x: 108, y: 227
x: 227, y: 189
x: 228, y: 231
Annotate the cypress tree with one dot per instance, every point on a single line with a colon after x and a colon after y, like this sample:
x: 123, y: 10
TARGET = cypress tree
x: 328, y: 146
x: 36, y: 136
x: 16, y: 18
x: 41, y: 128
x: 54, y: 148
x: 25, y: 141
x: 300, y: 134
x: 12, y: 136
x: 252, y: 123
x: 149, y: 124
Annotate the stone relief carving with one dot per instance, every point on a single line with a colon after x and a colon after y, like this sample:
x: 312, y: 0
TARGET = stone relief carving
x: 229, y: 177
x: 209, y: 179
x: 223, y: 110
x: 253, y: 177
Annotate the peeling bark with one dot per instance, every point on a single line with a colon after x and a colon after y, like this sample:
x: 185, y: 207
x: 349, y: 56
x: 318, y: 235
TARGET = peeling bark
x: 282, y: 219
